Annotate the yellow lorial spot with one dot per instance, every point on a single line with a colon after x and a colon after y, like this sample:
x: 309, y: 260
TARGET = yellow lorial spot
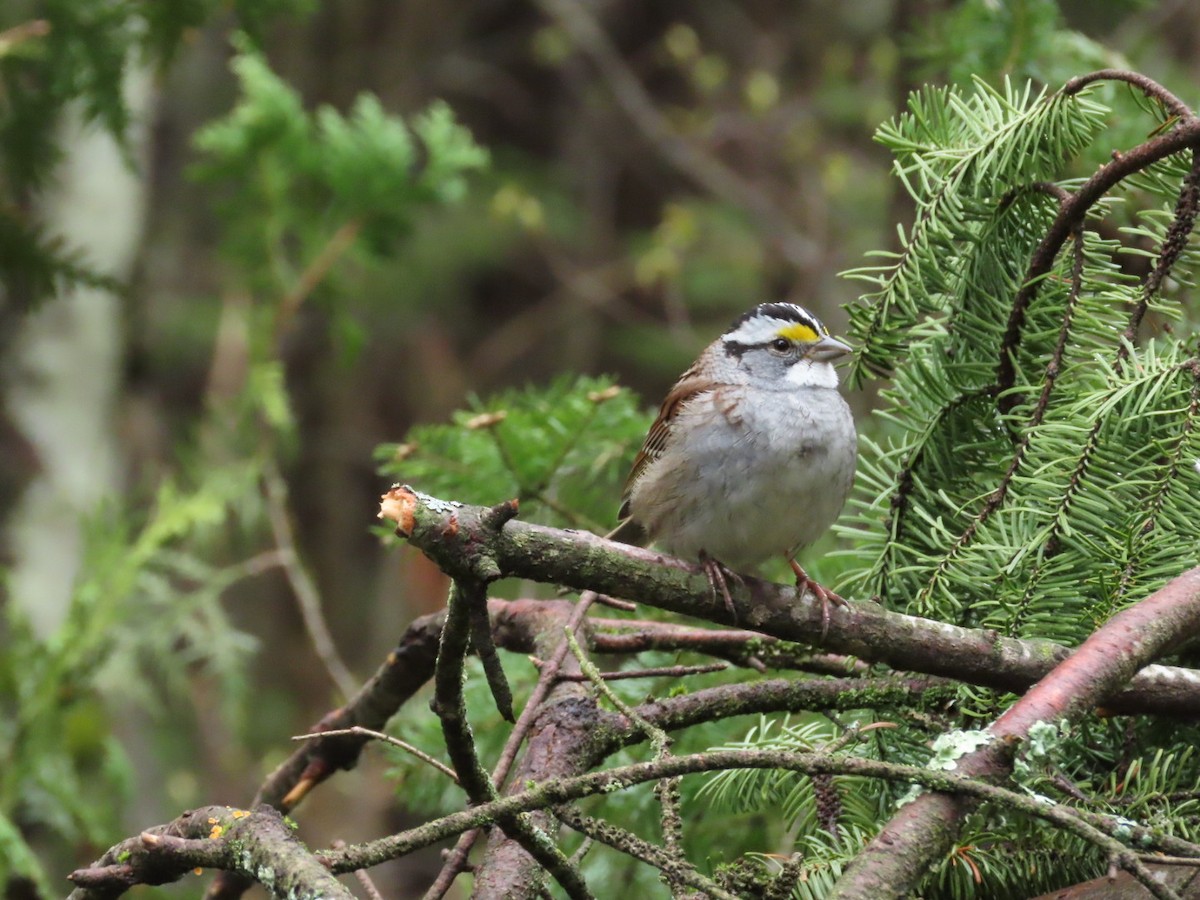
x: 799, y: 333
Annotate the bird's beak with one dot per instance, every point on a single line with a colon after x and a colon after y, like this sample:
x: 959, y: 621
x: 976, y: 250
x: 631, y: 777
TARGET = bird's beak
x: 827, y: 349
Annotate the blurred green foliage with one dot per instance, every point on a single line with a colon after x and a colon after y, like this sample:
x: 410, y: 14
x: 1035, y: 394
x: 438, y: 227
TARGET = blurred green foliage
x: 66, y: 774
x: 1022, y: 38
x: 290, y: 179
x: 59, y: 52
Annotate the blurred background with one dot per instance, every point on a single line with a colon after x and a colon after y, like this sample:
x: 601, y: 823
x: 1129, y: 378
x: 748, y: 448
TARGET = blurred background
x: 652, y: 170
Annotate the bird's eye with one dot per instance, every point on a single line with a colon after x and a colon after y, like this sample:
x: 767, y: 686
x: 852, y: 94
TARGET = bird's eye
x: 781, y: 345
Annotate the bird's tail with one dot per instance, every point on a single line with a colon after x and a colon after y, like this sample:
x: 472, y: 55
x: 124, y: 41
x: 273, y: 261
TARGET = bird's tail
x: 629, y: 532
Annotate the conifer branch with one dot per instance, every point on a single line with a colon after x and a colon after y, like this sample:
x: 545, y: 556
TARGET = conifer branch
x: 899, y: 501
x: 1173, y: 244
x: 922, y: 831
x: 1163, y: 488
x: 1151, y: 88
x: 996, y: 498
x: 1072, y: 213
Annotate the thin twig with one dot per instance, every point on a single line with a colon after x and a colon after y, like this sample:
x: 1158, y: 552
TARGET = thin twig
x: 481, y: 624
x: 616, y: 603
x: 659, y: 739
x: 316, y: 272
x: 359, y: 731
x: 364, y: 879
x: 629, y: 843
x: 1170, y: 860
x: 625, y: 674
x: 584, y: 848
x: 308, y: 597
x: 667, y: 789
x: 256, y: 565
x: 12, y: 37
x: 1147, y: 85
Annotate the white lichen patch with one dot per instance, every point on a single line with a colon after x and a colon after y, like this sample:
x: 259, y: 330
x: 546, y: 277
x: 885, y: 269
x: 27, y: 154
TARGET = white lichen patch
x: 948, y: 748
x: 436, y: 504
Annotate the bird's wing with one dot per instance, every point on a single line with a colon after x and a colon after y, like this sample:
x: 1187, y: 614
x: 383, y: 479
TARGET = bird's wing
x: 688, y: 388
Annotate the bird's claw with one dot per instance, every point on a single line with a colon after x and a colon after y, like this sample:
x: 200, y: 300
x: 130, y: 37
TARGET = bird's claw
x: 719, y: 575
x: 822, y: 593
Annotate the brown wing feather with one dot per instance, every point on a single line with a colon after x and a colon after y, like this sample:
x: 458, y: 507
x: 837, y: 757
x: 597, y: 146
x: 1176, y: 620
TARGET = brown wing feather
x: 659, y: 436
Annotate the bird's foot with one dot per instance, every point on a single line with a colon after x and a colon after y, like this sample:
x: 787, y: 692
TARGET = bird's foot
x: 822, y: 593
x: 719, y: 576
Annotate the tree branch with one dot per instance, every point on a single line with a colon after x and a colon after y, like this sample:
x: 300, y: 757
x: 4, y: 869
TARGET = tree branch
x: 308, y: 597
x: 557, y: 791
x: 892, y: 864
x: 450, y: 706
x: 863, y: 630
x: 259, y: 846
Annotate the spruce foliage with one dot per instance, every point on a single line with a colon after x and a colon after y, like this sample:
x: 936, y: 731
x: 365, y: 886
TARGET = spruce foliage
x: 1036, y: 465
x: 1037, y: 469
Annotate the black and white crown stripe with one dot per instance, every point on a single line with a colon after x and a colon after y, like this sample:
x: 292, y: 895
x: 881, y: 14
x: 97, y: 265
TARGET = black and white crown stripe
x: 769, y: 321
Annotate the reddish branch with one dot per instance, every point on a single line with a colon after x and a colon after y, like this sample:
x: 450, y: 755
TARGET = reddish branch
x: 1073, y: 211
x: 924, y: 830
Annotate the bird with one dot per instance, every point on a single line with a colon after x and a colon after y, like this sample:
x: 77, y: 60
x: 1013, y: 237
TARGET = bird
x: 752, y: 454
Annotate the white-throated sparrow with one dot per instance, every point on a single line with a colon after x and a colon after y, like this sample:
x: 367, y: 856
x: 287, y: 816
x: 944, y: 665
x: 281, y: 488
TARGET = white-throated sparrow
x: 752, y: 453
